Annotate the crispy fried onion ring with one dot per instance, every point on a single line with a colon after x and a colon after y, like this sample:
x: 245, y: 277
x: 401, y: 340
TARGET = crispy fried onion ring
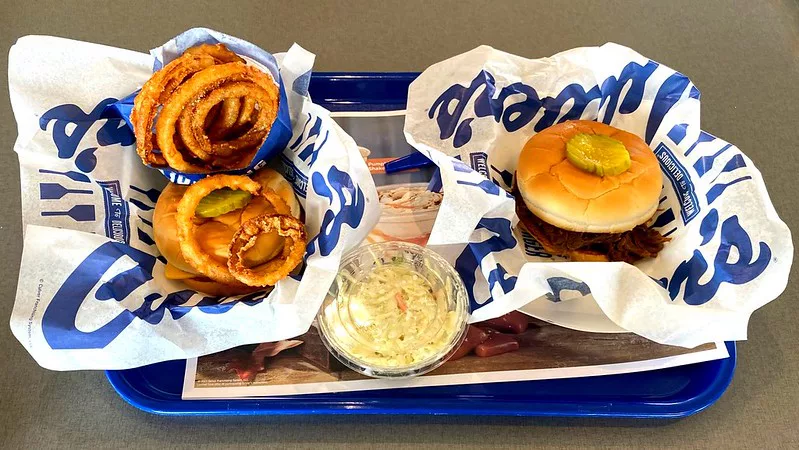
x: 215, y: 111
x: 228, y: 115
x: 245, y: 114
x: 219, y: 52
x: 204, y: 262
x: 192, y: 120
x: 193, y: 101
x: 161, y: 86
x: 269, y: 273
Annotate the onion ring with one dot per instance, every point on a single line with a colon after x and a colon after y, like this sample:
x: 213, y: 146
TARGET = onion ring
x: 193, y: 91
x: 219, y: 52
x: 147, y: 101
x: 212, y: 115
x: 191, y: 120
x: 195, y: 87
x: 194, y: 255
x: 245, y: 115
x: 162, y: 85
x: 265, y: 93
x: 228, y: 116
x: 269, y: 273
x: 215, y: 111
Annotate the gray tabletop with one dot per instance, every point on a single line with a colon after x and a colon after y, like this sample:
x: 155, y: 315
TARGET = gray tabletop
x: 742, y: 55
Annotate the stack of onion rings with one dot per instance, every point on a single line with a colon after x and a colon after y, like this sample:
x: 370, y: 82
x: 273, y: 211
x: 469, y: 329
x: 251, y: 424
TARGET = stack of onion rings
x: 234, y: 272
x: 213, y: 112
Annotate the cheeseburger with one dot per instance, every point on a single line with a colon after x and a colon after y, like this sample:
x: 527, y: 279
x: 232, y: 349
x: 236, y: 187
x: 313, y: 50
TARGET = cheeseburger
x: 216, y: 221
x: 586, y: 190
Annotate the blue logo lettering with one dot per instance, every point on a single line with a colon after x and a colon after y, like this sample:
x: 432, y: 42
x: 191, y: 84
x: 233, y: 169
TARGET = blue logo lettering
x: 743, y: 270
x: 519, y: 114
x: 680, y: 181
x: 474, y: 253
x: 114, y: 131
x: 307, y: 145
x: 58, y: 321
x: 560, y: 284
x: 500, y: 276
x: 117, y: 212
x: 703, y: 137
x: 351, y: 203
x: 667, y: 96
x: 293, y: 175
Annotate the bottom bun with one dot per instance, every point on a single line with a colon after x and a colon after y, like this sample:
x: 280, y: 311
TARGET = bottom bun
x: 218, y: 289
x: 587, y: 256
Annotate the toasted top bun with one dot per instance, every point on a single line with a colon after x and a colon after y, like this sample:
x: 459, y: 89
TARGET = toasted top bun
x: 215, y: 234
x: 565, y: 196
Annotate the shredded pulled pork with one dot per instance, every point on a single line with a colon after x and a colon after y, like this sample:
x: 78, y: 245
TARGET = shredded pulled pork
x: 630, y: 246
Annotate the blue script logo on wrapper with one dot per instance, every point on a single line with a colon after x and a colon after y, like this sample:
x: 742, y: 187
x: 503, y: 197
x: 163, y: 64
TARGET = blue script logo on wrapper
x: 310, y: 140
x: 114, y: 131
x: 520, y: 112
x: 70, y: 125
x: 735, y: 243
x: 744, y: 268
x: 306, y: 148
x: 352, y: 203
x: 474, y: 254
x: 58, y: 321
x: 561, y: 284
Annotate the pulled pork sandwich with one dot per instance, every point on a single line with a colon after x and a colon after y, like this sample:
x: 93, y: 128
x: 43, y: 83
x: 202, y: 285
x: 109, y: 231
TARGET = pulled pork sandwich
x: 586, y: 190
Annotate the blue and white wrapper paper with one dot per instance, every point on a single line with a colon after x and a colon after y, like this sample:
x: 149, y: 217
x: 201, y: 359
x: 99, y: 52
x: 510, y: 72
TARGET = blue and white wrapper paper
x: 729, y: 254
x: 91, y: 292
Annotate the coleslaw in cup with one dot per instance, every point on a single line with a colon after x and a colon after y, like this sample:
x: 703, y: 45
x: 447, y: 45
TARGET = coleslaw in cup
x: 396, y: 310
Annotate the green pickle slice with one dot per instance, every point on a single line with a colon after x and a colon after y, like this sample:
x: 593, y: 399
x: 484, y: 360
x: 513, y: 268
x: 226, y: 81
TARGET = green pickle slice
x: 222, y: 201
x: 598, y: 154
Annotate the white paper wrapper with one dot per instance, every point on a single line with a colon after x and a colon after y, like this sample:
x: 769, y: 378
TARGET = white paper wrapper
x: 730, y: 253
x: 91, y: 292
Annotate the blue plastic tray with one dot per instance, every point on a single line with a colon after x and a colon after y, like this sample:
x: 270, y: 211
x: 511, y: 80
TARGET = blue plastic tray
x: 662, y: 394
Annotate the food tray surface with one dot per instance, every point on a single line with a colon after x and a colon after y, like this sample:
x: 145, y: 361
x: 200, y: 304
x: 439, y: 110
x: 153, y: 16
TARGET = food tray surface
x: 667, y: 393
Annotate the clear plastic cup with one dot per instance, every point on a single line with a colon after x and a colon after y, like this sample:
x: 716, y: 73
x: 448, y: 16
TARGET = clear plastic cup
x: 396, y: 310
